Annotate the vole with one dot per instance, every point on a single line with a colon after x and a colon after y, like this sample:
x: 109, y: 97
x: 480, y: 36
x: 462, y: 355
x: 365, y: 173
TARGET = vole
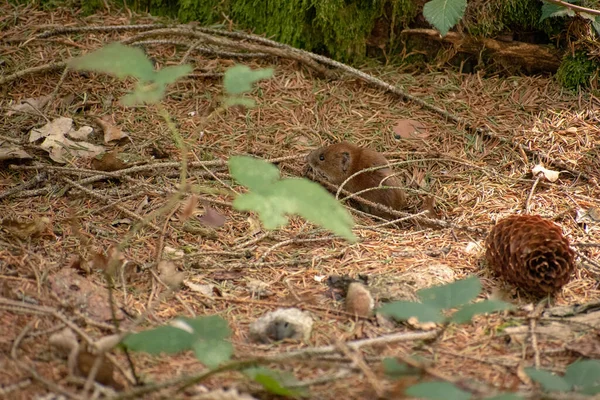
x: 339, y: 161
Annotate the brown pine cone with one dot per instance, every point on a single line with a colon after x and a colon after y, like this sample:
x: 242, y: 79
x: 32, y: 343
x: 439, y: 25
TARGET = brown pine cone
x: 530, y: 253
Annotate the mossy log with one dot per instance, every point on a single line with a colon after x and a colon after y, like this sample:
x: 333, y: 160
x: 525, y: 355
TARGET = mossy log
x: 511, y: 54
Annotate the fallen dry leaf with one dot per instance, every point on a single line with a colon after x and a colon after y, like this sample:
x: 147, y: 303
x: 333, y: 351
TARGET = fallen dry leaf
x: 58, y: 127
x: 58, y: 145
x: 207, y: 290
x: 552, y: 176
x: 81, y: 133
x: 189, y: 207
x: 173, y: 253
x: 111, y: 132
x: 24, y: 230
x: 211, y: 217
x: 258, y: 288
x: 108, y: 162
x: 254, y: 225
x: 9, y: 151
x: 410, y: 129
x: 29, y: 105
x: 167, y: 271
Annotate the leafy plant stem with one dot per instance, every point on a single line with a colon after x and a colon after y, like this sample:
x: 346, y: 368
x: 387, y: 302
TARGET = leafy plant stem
x: 179, y: 142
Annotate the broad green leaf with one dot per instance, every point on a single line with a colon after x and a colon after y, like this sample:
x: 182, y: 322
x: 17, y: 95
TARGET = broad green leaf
x: 596, y: 24
x: 468, y: 311
x: 168, y: 339
x: 444, y: 14
x: 584, y: 373
x: 241, y: 101
x: 554, y: 10
x: 403, y: 310
x: 395, y: 369
x: 452, y: 294
x: 275, y: 381
x: 210, y: 327
x: 239, y: 79
x: 591, y: 390
x: 151, y: 93
x: 253, y: 173
x: 505, y: 396
x: 116, y: 59
x: 437, y: 391
x: 171, y: 74
x: 182, y: 334
x: 212, y: 352
x: 274, y: 198
x: 549, y: 381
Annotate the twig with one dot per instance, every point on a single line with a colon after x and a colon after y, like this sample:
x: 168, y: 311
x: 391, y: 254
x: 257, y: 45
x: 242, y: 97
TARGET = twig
x: 574, y: 7
x: 34, y: 70
x: 19, y: 338
x: 532, y: 191
x: 360, y: 363
x: 117, y: 206
x: 41, y: 177
x: 295, y: 240
x: 535, y: 314
x: 220, y: 41
x: 6, y: 389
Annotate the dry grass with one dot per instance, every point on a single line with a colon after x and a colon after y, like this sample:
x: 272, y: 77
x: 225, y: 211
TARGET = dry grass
x: 474, y: 181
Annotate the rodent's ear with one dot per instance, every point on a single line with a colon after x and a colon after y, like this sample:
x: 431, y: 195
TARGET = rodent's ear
x: 345, y: 160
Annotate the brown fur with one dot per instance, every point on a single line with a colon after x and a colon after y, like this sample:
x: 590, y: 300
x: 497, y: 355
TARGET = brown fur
x: 338, y: 161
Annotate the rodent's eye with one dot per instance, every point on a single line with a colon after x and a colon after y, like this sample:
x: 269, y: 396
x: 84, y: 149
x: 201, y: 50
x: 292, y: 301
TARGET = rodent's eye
x: 322, y: 157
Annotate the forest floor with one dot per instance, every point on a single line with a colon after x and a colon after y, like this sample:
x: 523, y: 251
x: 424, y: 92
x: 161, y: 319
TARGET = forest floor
x: 51, y: 226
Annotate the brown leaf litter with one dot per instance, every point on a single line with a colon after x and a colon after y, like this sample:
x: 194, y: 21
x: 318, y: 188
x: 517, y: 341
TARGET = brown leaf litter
x: 467, y: 179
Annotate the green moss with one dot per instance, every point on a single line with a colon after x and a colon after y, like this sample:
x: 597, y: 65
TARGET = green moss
x: 156, y: 7
x: 285, y: 21
x: 491, y: 18
x: 205, y: 11
x: 339, y: 28
x: 577, y: 71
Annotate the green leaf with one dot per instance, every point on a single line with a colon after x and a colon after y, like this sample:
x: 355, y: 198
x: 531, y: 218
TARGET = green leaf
x: 437, y: 391
x: 239, y: 79
x: 253, y: 173
x: 118, y: 60
x: 210, y: 327
x: 395, y: 369
x: 554, y: 10
x: 171, y: 74
x: 584, y: 373
x: 241, y: 101
x: 149, y: 93
x: 468, y: 311
x: 167, y: 339
x: 444, y: 14
x: 451, y: 295
x: 403, y: 310
x: 183, y: 334
x: 212, y: 353
x: 590, y: 390
x: 275, y: 381
x: 505, y: 396
x: 274, y: 198
x: 549, y: 381
x: 596, y: 24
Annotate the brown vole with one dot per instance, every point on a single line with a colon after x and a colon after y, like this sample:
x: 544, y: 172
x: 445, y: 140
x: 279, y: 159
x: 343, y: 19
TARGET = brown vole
x: 339, y: 161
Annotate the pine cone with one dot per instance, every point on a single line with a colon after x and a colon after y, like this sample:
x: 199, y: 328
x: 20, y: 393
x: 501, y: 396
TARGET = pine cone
x: 530, y: 253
